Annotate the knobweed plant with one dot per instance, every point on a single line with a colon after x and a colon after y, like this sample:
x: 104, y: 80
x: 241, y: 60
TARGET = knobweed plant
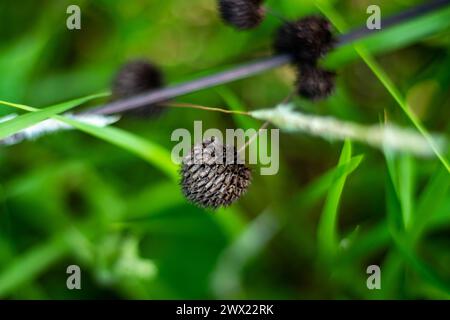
x: 208, y: 179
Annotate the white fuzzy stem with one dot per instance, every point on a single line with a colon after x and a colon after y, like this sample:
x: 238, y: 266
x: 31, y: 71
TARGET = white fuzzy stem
x: 51, y: 125
x: 385, y: 137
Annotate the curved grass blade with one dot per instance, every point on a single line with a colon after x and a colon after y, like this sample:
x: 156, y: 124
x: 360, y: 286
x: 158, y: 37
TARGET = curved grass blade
x: 31, y: 264
x: 152, y: 153
x: 327, y: 231
x: 341, y: 25
x: 392, y: 38
x: 29, y: 119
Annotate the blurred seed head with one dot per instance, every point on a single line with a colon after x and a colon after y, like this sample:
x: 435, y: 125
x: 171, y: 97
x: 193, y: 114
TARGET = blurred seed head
x: 136, y: 77
x: 242, y: 14
x: 212, y: 175
x: 314, y: 83
x: 307, y: 39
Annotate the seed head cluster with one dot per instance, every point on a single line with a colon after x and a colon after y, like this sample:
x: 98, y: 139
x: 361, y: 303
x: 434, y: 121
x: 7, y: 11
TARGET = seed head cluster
x: 212, y: 175
x: 314, y: 83
x: 307, y: 40
x: 136, y: 77
x: 242, y: 14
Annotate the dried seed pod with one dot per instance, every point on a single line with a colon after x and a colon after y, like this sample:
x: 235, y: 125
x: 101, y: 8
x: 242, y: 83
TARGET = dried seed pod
x: 314, y: 83
x: 212, y: 175
x: 242, y: 14
x: 136, y: 77
x: 307, y: 39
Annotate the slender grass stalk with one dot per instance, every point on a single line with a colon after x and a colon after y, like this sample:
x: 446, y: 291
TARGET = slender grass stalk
x: 253, y: 138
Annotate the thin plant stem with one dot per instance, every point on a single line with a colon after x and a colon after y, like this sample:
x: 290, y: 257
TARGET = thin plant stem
x: 265, y: 124
x: 288, y: 97
x: 253, y: 138
x: 275, y: 14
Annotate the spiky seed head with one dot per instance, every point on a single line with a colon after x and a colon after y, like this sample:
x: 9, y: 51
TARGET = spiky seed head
x: 212, y: 175
x: 315, y: 83
x: 307, y: 39
x: 242, y: 14
x: 136, y: 77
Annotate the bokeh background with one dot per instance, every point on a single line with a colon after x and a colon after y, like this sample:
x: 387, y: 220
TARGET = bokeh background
x: 69, y: 198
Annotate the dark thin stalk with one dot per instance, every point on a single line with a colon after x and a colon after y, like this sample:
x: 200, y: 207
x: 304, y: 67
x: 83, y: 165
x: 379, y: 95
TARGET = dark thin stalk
x: 252, y: 68
x: 394, y: 20
x: 275, y: 14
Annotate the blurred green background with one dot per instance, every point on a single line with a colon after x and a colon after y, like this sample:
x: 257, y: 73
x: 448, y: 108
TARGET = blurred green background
x: 308, y: 232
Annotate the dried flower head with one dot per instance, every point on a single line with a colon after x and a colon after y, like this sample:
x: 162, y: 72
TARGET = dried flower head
x: 212, y: 175
x: 136, y: 77
x: 307, y: 39
x: 242, y: 14
x: 314, y: 83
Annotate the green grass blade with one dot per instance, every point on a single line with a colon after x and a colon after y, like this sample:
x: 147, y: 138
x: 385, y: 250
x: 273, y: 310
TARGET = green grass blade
x: 152, y: 153
x: 431, y: 201
x: 407, y: 184
x: 402, y: 242
x: 327, y: 230
x: 401, y: 170
x: 24, y: 121
x: 29, y: 265
x: 341, y: 25
x: 226, y: 278
x: 235, y: 104
x: 395, y: 93
x: 422, y: 268
x: 313, y: 192
x: 393, y: 38
x: 145, y: 149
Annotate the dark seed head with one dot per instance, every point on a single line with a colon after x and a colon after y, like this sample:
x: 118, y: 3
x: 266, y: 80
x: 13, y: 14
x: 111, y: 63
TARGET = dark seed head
x: 314, y: 83
x: 242, y: 14
x: 307, y: 39
x: 212, y: 175
x: 134, y: 78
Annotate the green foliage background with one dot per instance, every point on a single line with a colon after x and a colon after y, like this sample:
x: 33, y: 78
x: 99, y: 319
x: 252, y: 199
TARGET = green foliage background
x: 308, y: 232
